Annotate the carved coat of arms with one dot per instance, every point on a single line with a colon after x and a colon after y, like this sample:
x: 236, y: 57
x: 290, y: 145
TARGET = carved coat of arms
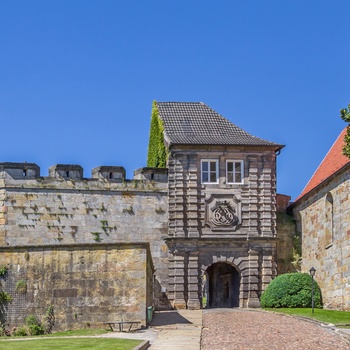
x: 223, y: 213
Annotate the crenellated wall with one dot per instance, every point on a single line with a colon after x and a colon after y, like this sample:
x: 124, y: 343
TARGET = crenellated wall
x: 67, y: 211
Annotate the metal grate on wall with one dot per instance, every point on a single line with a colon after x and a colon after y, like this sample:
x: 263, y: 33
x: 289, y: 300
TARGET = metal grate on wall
x: 16, y: 309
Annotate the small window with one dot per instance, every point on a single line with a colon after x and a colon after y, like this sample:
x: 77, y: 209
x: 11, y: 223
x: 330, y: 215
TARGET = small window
x: 210, y: 171
x: 329, y: 224
x: 234, y: 171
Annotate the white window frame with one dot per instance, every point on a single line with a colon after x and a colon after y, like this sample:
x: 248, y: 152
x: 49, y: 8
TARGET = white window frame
x: 209, y: 161
x: 233, y: 172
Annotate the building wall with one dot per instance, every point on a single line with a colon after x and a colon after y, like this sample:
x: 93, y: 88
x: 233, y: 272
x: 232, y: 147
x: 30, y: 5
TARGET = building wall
x: 195, y: 244
x: 323, y: 219
x: 86, y: 285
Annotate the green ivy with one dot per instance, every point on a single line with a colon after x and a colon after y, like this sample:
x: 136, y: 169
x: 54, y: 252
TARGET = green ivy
x: 157, y: 152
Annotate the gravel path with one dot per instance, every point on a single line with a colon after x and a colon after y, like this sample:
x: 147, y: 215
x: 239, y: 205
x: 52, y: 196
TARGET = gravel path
x: 238, y: 329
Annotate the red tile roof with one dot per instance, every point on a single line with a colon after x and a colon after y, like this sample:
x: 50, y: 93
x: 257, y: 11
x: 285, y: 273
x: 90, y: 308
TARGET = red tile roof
x: 332, y: 162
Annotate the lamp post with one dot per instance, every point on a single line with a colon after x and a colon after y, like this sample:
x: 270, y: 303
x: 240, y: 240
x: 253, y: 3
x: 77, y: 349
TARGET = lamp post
x: 312, y: 274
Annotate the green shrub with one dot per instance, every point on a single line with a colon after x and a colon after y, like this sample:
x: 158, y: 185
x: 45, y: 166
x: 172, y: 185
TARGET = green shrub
x: 21, y: 286
x: 34, y: 325
x: 291, y: 290
x: 5, y: 297
x: 20, y: 332
x: 3, y: 270
x: 36, y: 329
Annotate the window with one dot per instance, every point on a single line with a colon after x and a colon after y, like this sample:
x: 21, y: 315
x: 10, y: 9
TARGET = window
x: 329, y: 219
x: 210, y: 171
x: 234, y: 171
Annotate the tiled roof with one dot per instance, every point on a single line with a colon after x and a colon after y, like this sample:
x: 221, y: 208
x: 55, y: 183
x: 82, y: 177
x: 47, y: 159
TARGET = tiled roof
x: 332, y: 162
x: 194, y: 123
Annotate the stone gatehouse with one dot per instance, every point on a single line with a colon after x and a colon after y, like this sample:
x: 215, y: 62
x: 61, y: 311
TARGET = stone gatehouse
x: 200, y: 232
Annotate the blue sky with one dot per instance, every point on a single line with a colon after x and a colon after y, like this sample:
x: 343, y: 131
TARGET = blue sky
x: 78, y: 77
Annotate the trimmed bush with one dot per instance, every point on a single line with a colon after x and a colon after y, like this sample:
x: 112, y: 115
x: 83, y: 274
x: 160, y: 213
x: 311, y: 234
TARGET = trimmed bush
x: 291, y: 290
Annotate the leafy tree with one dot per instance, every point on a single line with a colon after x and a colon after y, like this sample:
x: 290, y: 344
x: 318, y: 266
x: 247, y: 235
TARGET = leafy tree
x: 345, y: 115
x: 157, y: 152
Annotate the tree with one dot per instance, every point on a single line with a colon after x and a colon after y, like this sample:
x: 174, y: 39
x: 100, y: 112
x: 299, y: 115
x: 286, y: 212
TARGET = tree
x: 345, y: 115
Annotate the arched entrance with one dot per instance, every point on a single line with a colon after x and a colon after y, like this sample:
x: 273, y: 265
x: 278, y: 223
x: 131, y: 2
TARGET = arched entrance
x: 224, y: 282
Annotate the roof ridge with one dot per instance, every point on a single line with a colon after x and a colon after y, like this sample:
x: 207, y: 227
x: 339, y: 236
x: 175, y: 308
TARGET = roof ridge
x: 180, y: 102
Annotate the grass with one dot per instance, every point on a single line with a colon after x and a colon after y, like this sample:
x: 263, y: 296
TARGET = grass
x: 70, y: 344
x: 77, y: 332
x: 69, y: 333
x: 40, y: 343
x: 327, y: 316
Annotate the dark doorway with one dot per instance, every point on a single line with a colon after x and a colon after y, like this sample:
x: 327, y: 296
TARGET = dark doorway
x: 224, y: 284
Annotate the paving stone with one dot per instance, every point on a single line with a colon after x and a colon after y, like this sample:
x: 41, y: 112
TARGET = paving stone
x: 226, y: 329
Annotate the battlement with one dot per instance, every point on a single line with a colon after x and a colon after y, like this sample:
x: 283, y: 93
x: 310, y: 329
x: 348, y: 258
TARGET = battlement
x: 116, y: 173
x: 75, y: 172
x: 19, y: 170
x: 151, y: 174
x: 67, y: 171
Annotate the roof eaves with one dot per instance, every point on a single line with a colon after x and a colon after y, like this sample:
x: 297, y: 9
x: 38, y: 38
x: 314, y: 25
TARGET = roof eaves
x: 315, y: 188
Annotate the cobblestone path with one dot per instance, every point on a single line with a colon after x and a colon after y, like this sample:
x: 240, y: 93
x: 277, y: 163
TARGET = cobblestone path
x: 236, y: 329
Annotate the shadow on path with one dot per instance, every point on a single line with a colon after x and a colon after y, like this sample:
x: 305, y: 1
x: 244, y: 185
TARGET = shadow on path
x: 166, y: 318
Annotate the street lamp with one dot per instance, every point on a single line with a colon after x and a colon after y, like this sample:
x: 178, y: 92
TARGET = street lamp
x: 312, y: 274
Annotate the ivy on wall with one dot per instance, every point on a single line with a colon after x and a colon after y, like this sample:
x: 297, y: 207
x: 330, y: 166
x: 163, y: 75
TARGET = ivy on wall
x: 157, y: 152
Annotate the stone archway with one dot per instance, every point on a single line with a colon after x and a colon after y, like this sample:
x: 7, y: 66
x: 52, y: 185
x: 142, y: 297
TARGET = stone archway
x: 224, y: 285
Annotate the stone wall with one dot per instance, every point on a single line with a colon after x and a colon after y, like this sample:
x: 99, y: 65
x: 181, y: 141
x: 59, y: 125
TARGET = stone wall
x: 323, y: 219
x: 67, y: 209
x: 287, y: 258
x: 86, y: 285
